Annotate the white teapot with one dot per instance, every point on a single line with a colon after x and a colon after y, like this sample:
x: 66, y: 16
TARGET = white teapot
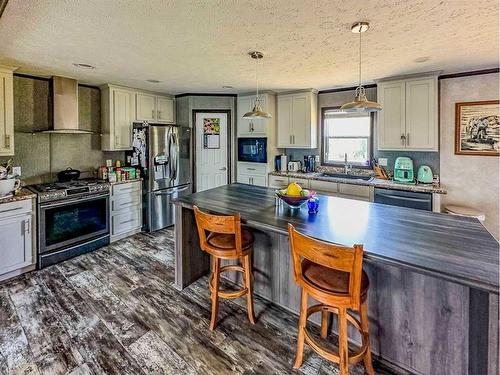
x: 9, y: 185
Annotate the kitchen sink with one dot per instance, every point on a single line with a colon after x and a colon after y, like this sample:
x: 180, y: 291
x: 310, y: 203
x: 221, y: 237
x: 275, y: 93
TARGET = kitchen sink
x: 347, y: 176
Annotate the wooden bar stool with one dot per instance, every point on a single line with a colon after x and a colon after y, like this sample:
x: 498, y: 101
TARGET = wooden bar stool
x: 226, y: 239
x: 332, y: 275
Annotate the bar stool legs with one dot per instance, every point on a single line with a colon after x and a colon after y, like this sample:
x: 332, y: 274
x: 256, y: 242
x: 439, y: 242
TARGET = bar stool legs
x: 302, y: 326
x: 247, y: 265
x: 215, y: 292
x: 343, y: 349
x: 367, y: 359
x: 324, y: 323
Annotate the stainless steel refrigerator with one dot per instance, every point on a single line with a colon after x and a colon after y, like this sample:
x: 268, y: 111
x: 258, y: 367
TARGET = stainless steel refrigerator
x: 164, y: 155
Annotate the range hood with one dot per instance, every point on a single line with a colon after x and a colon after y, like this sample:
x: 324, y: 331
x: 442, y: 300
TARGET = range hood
x: 65, y: 106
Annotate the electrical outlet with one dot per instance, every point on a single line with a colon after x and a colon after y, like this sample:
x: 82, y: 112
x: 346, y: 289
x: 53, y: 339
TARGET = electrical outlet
x: 16, y: 171
x: 382, y: 162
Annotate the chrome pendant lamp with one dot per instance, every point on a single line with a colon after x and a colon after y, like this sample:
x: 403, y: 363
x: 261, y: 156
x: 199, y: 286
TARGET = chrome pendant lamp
x: 360, y: 103
x: 256, y: 112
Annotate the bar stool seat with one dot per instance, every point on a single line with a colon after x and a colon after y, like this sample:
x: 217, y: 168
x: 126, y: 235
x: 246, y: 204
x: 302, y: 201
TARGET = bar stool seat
x: 228, y: 241
x: 331, y: 280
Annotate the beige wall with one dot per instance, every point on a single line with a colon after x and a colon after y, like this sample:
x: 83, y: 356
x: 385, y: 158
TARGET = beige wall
x: 470, y: 180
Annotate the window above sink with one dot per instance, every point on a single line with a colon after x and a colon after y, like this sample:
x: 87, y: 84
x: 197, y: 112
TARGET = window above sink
x: 346, y: 133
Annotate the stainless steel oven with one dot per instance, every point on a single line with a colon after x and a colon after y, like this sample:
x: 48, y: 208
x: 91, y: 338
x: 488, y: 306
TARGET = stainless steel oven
x: 72, y: 226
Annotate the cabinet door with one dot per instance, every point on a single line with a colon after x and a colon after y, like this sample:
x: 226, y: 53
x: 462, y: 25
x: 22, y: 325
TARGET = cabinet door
x: 6, y: 115
x: 123, y: 102
x: 145, y: 107
x: 165, y: 111
x: 301, y: 121
x: 15, y: 243
x: 421, y: 114
x: 244, y: 126
x: 278, y: 182
x: 284, y: 121
x: 391, y: 119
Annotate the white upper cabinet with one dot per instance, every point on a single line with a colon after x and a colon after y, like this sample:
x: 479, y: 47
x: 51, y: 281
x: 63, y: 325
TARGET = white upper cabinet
x: 145, y: 107
x: 165, y: 110
x: 121, y: 106
x: 297, y: 120
x: 117, y: 114
x: 6, y: 111
x: 256, y: 127
x: 154, y: 108
x: 409, y: 118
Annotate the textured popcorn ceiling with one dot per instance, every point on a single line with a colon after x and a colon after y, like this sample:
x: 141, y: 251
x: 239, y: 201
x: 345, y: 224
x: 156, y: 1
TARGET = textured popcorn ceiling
x: 201, y: 45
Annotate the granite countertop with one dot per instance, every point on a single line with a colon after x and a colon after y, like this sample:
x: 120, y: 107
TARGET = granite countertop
x: 19, y: 195
x: 375, y: 182
x: 126, y: 181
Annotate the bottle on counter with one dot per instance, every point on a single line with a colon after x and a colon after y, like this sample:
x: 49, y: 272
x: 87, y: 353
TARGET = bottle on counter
x: 112, y: 177
x: 118, y: 164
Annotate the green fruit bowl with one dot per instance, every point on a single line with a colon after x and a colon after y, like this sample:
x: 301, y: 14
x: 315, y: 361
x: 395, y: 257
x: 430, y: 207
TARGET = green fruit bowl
x: 294, y: 201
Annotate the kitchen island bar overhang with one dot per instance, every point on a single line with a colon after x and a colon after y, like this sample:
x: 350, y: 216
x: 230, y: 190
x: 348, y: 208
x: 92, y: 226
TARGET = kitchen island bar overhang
x: 430, y: 273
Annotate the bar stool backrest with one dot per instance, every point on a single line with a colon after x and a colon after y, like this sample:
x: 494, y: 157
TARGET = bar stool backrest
x: 218, y: 224
x: 340, y: 258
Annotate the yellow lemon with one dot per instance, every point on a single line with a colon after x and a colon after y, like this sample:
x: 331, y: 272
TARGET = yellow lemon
x: 293, y: 189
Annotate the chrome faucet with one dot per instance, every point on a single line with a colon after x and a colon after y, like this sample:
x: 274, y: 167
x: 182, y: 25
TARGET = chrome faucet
x: 347, y: 166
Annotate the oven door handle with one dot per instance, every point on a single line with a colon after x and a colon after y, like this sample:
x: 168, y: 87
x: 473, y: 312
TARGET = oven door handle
x: 70, y: 201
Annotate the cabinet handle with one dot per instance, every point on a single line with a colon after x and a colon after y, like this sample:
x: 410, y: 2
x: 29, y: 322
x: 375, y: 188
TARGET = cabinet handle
x: 249, y: 127
x: 159, y: 114
x: 126, y: 221
x: 293, y: 138
x: 251, y: 124
x: 117, y: 140
x: 250, y: 169
x: 403, y: 139
x: 407, y: 139
x: 290, y: 139
x: 27, y: 226
x: 152, y: 113
x: 7, y: 141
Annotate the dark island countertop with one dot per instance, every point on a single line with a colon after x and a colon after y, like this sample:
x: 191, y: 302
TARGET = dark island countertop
x: 450, y: 247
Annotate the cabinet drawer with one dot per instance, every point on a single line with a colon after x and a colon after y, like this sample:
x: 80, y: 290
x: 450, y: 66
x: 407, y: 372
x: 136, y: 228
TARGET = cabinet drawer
x: 355, y: 190
x: 126, y: 188
x: 303, y: 182
x: 124, y: 201
x: 15, y: 208
x: 330, y: 187
x: 278, y: 182
x: 251, y: 180
x: 252, y: 169
x: 126, y: 221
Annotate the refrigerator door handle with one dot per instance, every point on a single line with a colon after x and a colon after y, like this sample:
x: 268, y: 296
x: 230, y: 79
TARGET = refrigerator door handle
x: 171, y: 191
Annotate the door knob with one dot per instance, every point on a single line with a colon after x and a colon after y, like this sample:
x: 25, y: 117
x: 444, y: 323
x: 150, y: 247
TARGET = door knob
x: 223, y: 169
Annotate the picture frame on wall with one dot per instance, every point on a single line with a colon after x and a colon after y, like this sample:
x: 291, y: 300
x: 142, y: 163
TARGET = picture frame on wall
x: 477, y: 128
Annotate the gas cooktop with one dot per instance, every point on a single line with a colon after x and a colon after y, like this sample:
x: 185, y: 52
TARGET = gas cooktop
x: 64, y: 190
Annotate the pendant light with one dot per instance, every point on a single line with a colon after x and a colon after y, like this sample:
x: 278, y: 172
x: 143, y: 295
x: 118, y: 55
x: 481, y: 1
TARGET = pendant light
x: 256, y: 112
x: 360, y: 103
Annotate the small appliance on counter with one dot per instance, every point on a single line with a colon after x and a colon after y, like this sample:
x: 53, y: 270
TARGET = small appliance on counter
x: 277, y: 163
x: 403, y: 170
x: 284, y: 163
x: 309, y: 163
x: 424, y: 175
x: 294, y: 166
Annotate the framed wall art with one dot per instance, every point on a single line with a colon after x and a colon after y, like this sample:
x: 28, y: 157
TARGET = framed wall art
x: 477, y: 128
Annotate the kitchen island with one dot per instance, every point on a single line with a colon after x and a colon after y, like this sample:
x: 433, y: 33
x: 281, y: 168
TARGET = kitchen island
x: 433, y: 298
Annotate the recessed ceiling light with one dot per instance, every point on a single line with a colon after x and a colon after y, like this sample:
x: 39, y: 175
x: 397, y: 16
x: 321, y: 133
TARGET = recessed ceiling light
x: 422, y: 59
x: 227, y: 87
x: 84, y: 66
x: 153, y: 81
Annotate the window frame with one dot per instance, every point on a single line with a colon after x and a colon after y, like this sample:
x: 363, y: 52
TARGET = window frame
x: 324, y: 139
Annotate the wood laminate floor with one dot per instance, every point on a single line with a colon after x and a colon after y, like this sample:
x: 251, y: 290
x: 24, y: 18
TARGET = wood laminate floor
x: 115, y: 311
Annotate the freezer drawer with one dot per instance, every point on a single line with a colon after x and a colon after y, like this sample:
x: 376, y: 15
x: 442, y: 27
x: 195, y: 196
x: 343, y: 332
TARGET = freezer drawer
x: 161, y: 210
x: 420, y: 201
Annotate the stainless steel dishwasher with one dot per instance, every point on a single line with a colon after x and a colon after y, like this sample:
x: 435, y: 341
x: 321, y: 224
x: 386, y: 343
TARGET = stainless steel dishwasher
x: 411, y: 199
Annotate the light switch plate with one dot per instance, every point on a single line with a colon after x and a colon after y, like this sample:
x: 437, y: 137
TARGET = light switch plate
x: 382, y: 162
x: 16, y: 171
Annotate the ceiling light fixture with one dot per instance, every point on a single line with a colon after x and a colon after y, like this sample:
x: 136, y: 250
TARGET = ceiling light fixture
x: 152, y: 81
x: 256, y: 112
x: 360, y: 103
x: 84, y: 66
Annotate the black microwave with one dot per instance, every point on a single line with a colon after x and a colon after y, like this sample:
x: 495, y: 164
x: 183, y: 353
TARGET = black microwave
x: 252, y: 150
